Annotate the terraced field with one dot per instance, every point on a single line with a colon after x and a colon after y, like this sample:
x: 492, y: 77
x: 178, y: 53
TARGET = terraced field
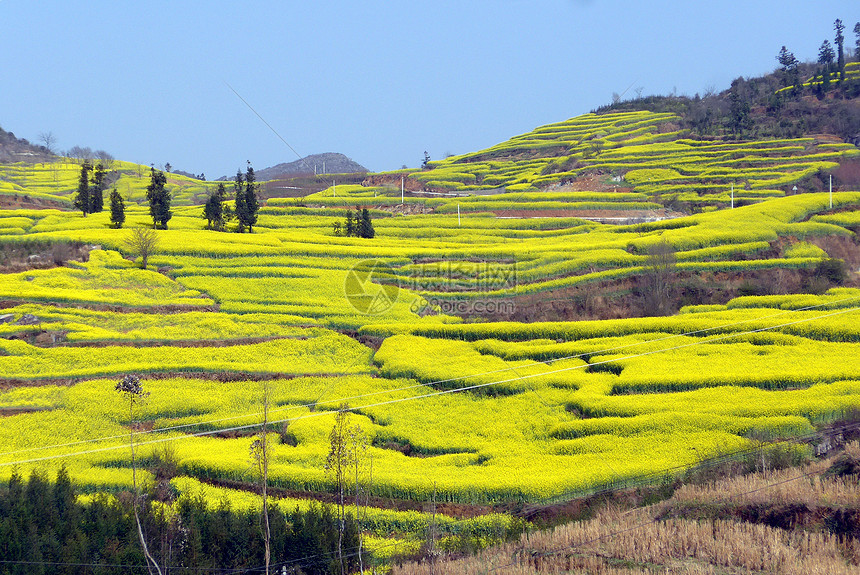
x: 472, y: 414
x: 852, y: 73
x: 58, y: 181
x: 647, y: 154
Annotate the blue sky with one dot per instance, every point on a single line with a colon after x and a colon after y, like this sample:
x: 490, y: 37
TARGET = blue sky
x: 378, y: 81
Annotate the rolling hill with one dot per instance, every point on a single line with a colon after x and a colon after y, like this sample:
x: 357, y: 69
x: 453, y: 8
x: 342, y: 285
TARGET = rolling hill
x: 461, y: 343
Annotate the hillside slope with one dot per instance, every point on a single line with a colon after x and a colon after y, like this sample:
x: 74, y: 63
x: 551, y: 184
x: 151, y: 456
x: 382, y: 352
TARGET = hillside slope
x: 757, y: 139
x: 13, y: 149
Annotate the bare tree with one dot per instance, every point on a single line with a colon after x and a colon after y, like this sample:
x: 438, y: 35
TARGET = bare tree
x: 131, y: 388
x: 260, y: 458
x: 48, y: 140
x: 79, y: 153
x: 655, y: 284
x: 432, y: 533
x: 345, y: 444
x: 657, y: 279
x: 105, y: 158
x: 142, y: 242
x: 358, y: 439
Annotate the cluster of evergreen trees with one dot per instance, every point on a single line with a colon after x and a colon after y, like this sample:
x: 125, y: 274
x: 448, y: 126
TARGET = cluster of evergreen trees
x: 217, y: 212
x: 829, y: 60
x: 760, y: 107
x: 358, y: 225
x: 90, y: 195
x: 44, y: 529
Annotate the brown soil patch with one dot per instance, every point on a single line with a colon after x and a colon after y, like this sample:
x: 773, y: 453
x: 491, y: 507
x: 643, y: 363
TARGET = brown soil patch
x: 406, y: 209
x: 156, y: 309
x: 7, y: 383
x: 24, y: 257
x: 373, y: 342
x: 183, y: 343
x: 592, y: 183
x: 393, y: 181
x: 623, y: 298
x: 9, y: 411
x: 24, y: 202
x: 455, y: 510
x: 620, y: 217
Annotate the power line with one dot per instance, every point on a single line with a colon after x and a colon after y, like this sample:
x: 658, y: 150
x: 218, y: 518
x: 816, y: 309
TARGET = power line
x: 354, y: 550
x: 263, y: 120
x: 519, y: 378
x: 435, y: 393
x: 603, y: 351
x: 705, y: 462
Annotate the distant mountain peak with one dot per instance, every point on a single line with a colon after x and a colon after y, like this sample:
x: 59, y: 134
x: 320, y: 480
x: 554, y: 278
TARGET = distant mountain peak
x: 327, y: 163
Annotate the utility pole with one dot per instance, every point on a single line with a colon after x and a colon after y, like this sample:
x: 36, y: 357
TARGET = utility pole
x: 458, y: 215
x: 733, y: 196
x: 401, y: 191
x: 831, y: 191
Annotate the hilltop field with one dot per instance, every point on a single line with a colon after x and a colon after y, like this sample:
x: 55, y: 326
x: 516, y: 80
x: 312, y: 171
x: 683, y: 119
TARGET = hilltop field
x: 609, y: 302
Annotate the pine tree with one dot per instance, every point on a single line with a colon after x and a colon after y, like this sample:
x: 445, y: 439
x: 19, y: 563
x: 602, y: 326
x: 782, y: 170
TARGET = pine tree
x: 159, y: 199
x: 840, y: 44
x: 65, y: 505
x: 857, y: 41
x: 213, y: 211
x: 252, y: 206
x: 350, y: 224
x: 82, y: 199
x: 356, y: 222
x: 247, y: 205
x: 826, y: 55
x: 739, y: 110
x: 97, y: 198
x: 239, y: 194
x: 366, y: 226
x: 789, y: 67
x: 117, y: 210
